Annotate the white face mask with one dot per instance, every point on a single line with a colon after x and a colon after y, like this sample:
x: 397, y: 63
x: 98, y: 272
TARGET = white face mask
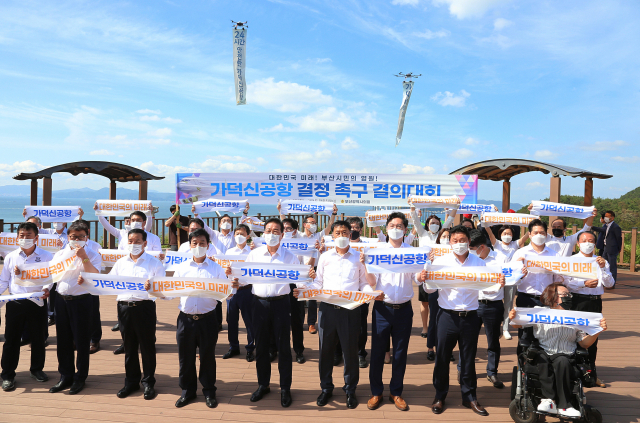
x: 539, y: 239
x: 127, y: 228
x: 134, y: 249
x: 474, y: 252
x: 58, y: 226
x: 460, y: 248
x: 288, y: 235
x: 26, y: 243
x: 434, y: 227
x: 395, y: 233
x: 506, y: 238
x: 136, y: 225
x: 76, y: 244
x: 198, y: 251
x: 444, y: 241
x: 313, y: 228
x: 271, y: 239
x: 240, y: 239
x: 225, y: 225
x: 607, y: 220
x: 587, y: 247
x: 342, y: 242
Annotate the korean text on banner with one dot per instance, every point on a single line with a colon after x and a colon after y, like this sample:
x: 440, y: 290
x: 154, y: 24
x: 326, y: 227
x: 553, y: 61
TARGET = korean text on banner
x: 407, y: 88
x: 397, y: 260
x: 25, y: 296
x: 121, y: 207
x: 575, y: 266
x: 547, y: 208
x: 216, y: 204
x: 253, y: 223
x: 471, y: 277
x: 440, y: 250
x: 218, y: 289
x: 99, y: 284
x: 173, y: 259
x: 515, y: 219
x: 306, y: 207
x: 54, y: 213
x: 270, y: 273
x: 345, y: 299
x: 9, y: 242
x: 476, y: 209
x: 300, y: 246
x: 586, y: 322
x: 423, y: 201
x: 109, y: 257
x: 40, y: 274
x: 342, y: 189
x: 379, y: 217
x: 225, y: 260
x: 239, y: 61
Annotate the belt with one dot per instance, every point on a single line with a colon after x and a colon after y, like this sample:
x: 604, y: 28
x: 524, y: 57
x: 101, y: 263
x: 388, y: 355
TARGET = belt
x: 198, y: 316
x: 133, y: 303
x: 240, y: 288
x: 587, y: 296
x: 489, y: 301
x: 73, y: 297
x: 279, y: 297
x: 464, y: 313
x: 398, y: 306
x: 537, y: 297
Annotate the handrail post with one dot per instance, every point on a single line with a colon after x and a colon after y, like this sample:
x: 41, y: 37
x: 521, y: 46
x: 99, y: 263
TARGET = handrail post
x: 634, y: 239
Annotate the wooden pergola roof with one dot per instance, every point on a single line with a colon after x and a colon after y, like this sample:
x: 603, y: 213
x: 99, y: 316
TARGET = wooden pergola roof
x: 504, y: 169
x: 116, y: 172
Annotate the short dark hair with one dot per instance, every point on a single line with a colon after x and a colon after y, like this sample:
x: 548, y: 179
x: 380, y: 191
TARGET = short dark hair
x: 197, y: 221
x: 588, y: 233
x: 36, y: 218
x: 610, y: 212
x: 353, y: 219
x: 549, y: 296
x: 79, y: 225
x: 140, y: 214
x: 537, y: 222
x: 292, y: 222
x: 225, y: 215
x: 504, y: 228
x: 344, y: 223
x: 468, y: 220
x: 564, y: 222
x: 172, y: 209
x: 138, y: 231
x: 198, y: 233
x: 275, y: 220
x: 433, y: 216
x: 242, y: 226
x: 28, y: 226
x: 476, y: 238
x: 398, y: 215
x: 459, y: 230
x: 307, y: 217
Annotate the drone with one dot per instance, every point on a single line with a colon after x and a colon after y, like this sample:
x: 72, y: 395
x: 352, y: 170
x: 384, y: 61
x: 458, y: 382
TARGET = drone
x: 407, y: 75
x: 239, y: 24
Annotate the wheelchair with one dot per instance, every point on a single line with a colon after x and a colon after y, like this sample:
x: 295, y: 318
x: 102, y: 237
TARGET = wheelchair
x: 526, y: 393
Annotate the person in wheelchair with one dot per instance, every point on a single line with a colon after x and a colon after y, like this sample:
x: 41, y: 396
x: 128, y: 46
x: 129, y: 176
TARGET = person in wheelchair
x: 558, y: 344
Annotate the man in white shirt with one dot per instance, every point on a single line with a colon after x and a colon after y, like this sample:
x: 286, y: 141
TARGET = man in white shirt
x: 558, y: 241
x: 214, y: 247
x: 458, y: 323
x: 272, y: 313
x: 391, y: 317
x: 224, y: 236
x: 138, y: 220
x: 587, y: 294
x: 74, y: 307
x: 28, y: 313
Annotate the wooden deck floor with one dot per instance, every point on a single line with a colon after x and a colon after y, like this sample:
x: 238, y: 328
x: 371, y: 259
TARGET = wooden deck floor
x: 619, y: 358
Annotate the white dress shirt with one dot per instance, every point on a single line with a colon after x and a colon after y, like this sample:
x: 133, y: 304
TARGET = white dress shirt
x: 69, y: 285
x: 535, y: 283
x: 146, y: 266
x: 212, y: 250
x: 565, y: 245
x: 506, y: 251
x: 207, y: 269
x: 61, y: 236
x: 458, y: 299
x: 122, y: 235
x: 426, y: 237
x: 262, y: 255
x: 18, y: 258
x: 226, y: 241
x: 237, y: 251
x: 492, y: 259
x: 397, y: 287
x: 605, y: 279
x: 92, y: 245
x: 340, y: 272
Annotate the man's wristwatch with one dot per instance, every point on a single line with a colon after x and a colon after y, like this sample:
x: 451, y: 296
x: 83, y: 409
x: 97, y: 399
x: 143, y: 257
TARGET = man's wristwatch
x: 334, y: 214
x: 85, y: 260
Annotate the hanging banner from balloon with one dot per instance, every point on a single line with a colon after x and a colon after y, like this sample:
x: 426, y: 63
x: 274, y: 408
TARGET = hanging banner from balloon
x: 239, y: 59
x: 407, y: 87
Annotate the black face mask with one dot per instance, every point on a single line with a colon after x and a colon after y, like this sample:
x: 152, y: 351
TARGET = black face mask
x: 566, y: 303
x: 355, y: 235
x: 557, y: 232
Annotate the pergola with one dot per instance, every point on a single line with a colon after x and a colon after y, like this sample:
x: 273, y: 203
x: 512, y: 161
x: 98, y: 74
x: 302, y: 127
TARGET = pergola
x: 116, y: 172
x: 504, y: 169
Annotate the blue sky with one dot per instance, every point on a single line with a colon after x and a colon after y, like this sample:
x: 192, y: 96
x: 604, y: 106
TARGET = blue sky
x: 150, y: 84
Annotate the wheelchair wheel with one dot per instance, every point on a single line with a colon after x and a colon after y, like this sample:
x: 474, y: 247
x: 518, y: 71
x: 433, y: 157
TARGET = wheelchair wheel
x: 592, y: 415
x: 528, y: 416
x: 514, y: 382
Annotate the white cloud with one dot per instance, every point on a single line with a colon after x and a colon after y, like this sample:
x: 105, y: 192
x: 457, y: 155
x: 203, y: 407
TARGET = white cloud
x: 430, y: 35
x: 413, y: 169
x: 209, y: 165
x: 450, y: 99
x: 604, y: 145
x: 629, y: 159
x: 323, y: 144
x: 26, y: 166
x: 463, y: 9
x: 534, y: 185
x: 328, y: 119
x: 156, y: 118
x: 462, y: 153
x: 472, y: 141
x: 501, y: 23
x: 149, y: 112
x: 161, y: 132
x: 285, y: 96
x: 545, y: 154
x: 405, y: 2
x: 101, y: 153
x: 295, y: 160
x: 349, y: 144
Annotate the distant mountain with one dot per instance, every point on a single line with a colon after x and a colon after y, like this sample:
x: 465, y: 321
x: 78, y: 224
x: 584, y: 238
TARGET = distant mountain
x: 84, y: 193
x: 498, y: 204
x: 631, y: 194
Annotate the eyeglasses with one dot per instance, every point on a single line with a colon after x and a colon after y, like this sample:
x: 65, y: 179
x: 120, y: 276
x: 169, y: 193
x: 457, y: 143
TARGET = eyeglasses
x: 78, y: 238
x: 567, y: 295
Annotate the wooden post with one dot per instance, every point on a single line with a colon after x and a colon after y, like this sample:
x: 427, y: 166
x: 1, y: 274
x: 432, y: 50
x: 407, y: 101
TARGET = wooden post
x: 112, y: 219
x: 506, y: 195
x: 634, y: 240
x: 46, y: 196
x: 34, y: 192
x: 588, y: 192
x: 621, y: 255
x: 554, y: 194
x: 142, y: 190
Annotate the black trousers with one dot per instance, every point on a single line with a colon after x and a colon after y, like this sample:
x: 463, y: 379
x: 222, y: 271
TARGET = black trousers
x: 297, y: 325
x: 51, y: 301
x: 462, y: 330
x: 241, y: 302
x: 273, y: 319
x: 594, y: 305
x: 555, y: 378
x: 612, y: 258
x: 338, y: 324
x: 312, y: 312
x: 138, y: 329
x: 23, y: 314
x: 491, y: 315
x: 362, y: 335
x: 73, y: 325
x: 96, y: 323
x: 203, y: 335
x: 432, y: 330
x: 524, y: 300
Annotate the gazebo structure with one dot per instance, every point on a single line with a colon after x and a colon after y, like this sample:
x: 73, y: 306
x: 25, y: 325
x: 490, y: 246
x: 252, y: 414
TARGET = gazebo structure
x: 504, y: 169
x: 116, y: 172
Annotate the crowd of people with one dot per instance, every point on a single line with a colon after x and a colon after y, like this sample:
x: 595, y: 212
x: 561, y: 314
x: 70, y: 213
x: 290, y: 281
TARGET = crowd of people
x: 274, y: 318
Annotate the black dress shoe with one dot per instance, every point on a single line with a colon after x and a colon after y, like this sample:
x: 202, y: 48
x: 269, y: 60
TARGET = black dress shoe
x: 182, y: 401
x: 285, y: 397
x: 119, y: 350
x: 362, y: 362
x: 94, y: 347
x: 231, y: 353
x: 438, y: 406
x: 250, y: 356
x: 8, y: 385
x: 211, y: 402
x: 424, y: 335
x: 273, y: 356
x: 453, y: 358
x: 51, y: 321
x: 24, y: 342
x: 477, y: 408
x: 336, y: 360
x: 149, y: 393
x: 495, y: 381
x: 323, y: 398
x: 459, y: 378
x: 115, y: 327
x: 62, y: 384
x: 39, y: 376
x: 127, y: 390
x: 76, y: 387
x: 431, y: 355
x: 352, y: 401
x: 220, y: 328
x: 300, y: 358
x: 259, y: 393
